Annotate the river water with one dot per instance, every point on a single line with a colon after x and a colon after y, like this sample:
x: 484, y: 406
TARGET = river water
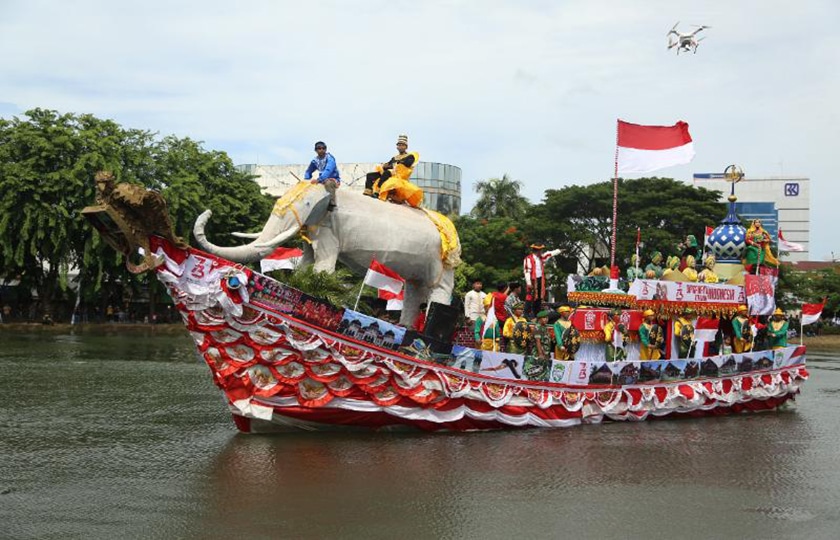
x: 124, y: 435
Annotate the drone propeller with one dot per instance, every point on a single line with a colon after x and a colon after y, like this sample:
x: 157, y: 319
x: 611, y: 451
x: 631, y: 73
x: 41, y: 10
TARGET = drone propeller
x: 673, y: 29
x: 701, y: 39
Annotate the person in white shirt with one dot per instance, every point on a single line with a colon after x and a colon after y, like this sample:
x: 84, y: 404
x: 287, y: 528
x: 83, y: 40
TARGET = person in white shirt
x: 534, y: 268
x: 474, y: 302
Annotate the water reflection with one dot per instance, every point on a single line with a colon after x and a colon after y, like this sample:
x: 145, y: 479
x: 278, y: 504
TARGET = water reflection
x: 104, y: 436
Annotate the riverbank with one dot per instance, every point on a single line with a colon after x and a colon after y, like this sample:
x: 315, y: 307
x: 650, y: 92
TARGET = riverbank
x: 814, y: 343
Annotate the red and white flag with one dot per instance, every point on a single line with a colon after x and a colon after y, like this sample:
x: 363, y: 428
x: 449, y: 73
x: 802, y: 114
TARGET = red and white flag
x: 380, y: 276
x: 784, y: 245
x: 760, y: 294
x: 281, y: 259
x: 811, y: 313
x: 705, y: 329
x: 394, y: 301
x: 642, y: 149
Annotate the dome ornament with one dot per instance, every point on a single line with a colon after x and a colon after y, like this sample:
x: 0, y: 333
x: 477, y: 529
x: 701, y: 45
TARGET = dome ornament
x: 733, y: 173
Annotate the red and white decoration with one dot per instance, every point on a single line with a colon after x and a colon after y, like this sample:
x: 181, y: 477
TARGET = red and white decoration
x: 281, y: 259
x: 394, y: 301
x: 760, y: 294
x: 643, y: 149
x: 784, y: 245
x: 381, y: 277
x: 680, y: 291
x: 811, y: 313
x: 278, y: 373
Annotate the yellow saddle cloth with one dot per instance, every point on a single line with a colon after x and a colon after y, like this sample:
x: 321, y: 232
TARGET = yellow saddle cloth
x: 450, y: 245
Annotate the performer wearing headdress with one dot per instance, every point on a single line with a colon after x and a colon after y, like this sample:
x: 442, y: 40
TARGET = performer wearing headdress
x: 742, y: 341
x: 561, y: 326
x: 650, y: 337
x: 778, y: 330
x: 543, y: 336
x: 516, y: 331
x: 390, y: 181
x: 758, y: 247
x: 634, y: 271
x: 653, y: 270
x: 684, y: 333
x: 534, y: 269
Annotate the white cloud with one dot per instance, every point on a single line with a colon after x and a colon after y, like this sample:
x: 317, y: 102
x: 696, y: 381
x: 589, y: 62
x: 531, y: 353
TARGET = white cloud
x: 528, y: 88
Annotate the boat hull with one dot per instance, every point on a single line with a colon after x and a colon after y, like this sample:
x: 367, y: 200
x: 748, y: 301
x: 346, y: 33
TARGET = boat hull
x: 280, y: 372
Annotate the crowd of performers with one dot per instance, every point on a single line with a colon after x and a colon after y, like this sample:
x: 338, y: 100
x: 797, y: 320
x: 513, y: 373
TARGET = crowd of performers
x: 388, y: 182
x: 520, y: 325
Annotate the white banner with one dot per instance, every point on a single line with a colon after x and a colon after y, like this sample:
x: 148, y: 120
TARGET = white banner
x: 680, y: 291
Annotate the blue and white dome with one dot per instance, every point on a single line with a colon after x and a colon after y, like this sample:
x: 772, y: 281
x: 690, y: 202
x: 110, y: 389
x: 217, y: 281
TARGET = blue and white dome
x: 728, y: 241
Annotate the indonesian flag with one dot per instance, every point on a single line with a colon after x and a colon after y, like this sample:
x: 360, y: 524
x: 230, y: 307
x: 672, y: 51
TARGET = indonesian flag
x: 705, y: 329
x: 642, y: 149
x: 760, y: 294
x: 811, y: 313
x: 784, y: 245
x: 281, y: 259
x: 380, y: 276
x: 395, y: 301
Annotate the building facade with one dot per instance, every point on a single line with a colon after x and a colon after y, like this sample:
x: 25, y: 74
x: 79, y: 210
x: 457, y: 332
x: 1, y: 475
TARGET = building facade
x: 781, y: 202
x: 441, y: 182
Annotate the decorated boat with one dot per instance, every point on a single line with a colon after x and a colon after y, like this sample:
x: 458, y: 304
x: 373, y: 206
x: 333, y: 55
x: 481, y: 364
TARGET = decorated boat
x: 286, y: 360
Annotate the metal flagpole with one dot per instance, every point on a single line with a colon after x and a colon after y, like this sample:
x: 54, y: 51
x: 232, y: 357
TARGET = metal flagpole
x: 614, y: 282
x: 356, y: 305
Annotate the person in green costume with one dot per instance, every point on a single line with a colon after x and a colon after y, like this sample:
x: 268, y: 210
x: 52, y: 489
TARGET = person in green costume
x: 778, y: 330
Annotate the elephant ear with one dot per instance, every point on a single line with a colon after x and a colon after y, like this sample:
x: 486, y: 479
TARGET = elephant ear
x: 318, y: 211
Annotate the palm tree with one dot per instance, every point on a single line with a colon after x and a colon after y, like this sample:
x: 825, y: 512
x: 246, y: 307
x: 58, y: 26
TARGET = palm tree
x: 500, y: 197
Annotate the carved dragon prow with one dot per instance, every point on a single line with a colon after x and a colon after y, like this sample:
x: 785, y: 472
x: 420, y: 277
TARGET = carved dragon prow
x: 126, y: 215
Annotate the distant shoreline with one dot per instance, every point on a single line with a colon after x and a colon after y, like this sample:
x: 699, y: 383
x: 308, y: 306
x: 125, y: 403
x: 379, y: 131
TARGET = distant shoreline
x: 814, y: 343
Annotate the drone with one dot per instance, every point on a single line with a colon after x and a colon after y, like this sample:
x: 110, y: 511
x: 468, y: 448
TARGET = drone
x: 685, y: 42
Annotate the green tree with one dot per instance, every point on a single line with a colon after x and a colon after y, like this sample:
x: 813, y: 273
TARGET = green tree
x: 493, y: 247
x: 500, y: 197
x: 578, y: 218
x: 47, y: 164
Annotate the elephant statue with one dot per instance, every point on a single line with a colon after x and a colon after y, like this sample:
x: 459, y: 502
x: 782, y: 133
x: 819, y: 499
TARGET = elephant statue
x: 358, y: 230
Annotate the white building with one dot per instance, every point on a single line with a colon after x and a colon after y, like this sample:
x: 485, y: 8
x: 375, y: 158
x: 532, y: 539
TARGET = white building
x: 441, y: 183
x: 791, y: 196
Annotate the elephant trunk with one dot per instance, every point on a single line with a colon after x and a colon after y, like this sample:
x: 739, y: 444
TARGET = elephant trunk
x: 261, y: 246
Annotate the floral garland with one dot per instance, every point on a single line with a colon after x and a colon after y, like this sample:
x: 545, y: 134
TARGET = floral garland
x: 662, y: 307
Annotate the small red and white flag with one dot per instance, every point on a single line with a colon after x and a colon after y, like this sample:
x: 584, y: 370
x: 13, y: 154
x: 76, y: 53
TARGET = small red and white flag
x: 784, y: 245
x: 760, y: 294
x: 705, y: 329
x: 380, y: 276
x: 281, y: 259
x: 643, y: 149
x: 811, y: 313
x: 394, y: 301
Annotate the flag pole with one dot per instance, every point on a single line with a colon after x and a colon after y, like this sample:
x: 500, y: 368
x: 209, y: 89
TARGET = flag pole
x: 614, y: 281
x: 356, y: 305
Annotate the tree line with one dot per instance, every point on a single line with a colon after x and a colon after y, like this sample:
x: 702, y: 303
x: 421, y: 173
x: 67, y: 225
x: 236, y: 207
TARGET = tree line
x: 48, y: 161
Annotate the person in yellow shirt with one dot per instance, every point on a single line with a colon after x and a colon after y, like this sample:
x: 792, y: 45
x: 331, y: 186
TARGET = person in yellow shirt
x: 742, y: 340
x: 390, y: 181
x: 516, y: 331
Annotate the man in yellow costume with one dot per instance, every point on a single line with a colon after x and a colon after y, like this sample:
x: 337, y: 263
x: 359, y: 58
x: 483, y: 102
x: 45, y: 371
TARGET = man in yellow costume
x: 389, y: 182
x: 742, y: 341
x: 650, y: 337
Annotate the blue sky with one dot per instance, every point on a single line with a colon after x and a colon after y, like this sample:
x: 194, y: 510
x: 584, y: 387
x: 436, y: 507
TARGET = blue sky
x: 527, y: 88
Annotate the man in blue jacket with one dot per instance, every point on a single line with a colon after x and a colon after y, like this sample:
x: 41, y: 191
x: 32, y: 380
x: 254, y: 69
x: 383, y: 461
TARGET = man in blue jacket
x: 324, y: 163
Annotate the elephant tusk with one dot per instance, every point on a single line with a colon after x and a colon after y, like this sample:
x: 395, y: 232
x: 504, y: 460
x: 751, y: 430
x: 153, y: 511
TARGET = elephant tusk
x: 250, y: 235
x: 277, y: 240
